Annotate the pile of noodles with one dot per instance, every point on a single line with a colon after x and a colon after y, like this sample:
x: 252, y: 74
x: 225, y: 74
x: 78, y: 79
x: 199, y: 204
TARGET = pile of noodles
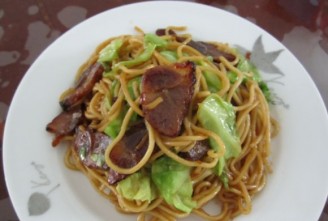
x: 246, y: 173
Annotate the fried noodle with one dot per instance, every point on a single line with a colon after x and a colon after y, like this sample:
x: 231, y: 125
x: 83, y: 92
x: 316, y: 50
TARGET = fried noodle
x: 247, y: 173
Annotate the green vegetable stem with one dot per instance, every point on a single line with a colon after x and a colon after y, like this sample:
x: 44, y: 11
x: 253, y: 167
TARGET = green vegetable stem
x: 110, y: 52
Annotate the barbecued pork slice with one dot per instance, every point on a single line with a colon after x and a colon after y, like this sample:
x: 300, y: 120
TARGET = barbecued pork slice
x: 83, y: 87
x: 205, y: 48
x: 209, y: 49
x: 91, y: 146
x: 197, y: 152
x: 114, y: 177
x: 64, y: 124
x: 132, y: 147
x: 166, y: 95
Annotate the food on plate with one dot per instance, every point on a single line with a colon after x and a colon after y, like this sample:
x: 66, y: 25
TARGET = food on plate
x: 162, y: 124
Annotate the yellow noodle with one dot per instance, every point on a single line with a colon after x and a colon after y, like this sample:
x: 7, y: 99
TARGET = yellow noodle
x: 154, y: 103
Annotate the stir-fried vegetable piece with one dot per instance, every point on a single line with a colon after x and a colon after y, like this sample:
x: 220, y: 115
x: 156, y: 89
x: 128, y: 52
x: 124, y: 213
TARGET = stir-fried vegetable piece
x: 266, y: 91
x: 137, y: 186
x: 172, y: 179
x: 170, y: 55
x: 144, y: 56
x: 218, y: 116
x: 151, y: 41
x: 131, y: 83
x: 110, y: 52
x: 212, y: 80
x: 114, y: 127
x: 246, y: 65
x: 155, y: 40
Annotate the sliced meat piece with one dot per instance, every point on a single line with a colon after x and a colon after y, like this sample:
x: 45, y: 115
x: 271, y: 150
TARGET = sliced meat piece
x: 64, y: 124
x: 91, y: 147
x: 82, y: 142
x: 197, y: 152
x: 161, y: 32
x: 174, y: 86
x: 114, y: 177
x: 83, y: 87
x: 205, y: 48
x: 209, y: 49
x: 131, y: 148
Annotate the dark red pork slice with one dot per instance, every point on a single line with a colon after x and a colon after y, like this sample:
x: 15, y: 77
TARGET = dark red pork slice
x: 162, y: 31
x: 209, y: 49
x: 131, y: 148
x: 205, y: 48
x: 114, y: 177
x: 83, y: 87
x: 174, y: 85
x: 129, y: 151
x: 197, y: 152
x: 64, y: 124
x: 91, y: 146
x: 82, y: 142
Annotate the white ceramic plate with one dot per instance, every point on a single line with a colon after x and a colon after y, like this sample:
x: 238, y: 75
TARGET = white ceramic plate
x: 40, y: 186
